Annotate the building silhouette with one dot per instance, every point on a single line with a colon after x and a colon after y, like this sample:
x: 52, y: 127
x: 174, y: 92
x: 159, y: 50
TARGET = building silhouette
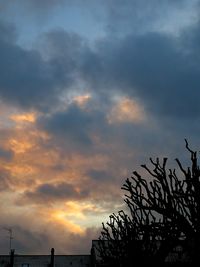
x: 176, y: 256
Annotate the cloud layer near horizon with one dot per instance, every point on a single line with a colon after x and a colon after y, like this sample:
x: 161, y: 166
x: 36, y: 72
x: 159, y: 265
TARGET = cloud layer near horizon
x: 80, y: 112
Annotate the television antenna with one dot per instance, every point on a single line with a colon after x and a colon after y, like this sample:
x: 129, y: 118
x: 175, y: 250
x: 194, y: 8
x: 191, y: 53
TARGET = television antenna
x: 10, y: 232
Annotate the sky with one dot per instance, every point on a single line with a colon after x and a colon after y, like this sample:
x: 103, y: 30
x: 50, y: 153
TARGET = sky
x: 89, y: 91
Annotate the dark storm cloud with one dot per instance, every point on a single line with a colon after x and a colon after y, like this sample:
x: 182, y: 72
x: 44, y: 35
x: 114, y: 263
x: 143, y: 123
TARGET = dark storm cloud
x: 190, y: 41
x: 24, y: 77
x: 158, y: 68
x: 8, y: 32
x: 154, y: 67
x: 74, y: 126
x: 6, y: 154
x: 51, y: 192
x: 27, y: 79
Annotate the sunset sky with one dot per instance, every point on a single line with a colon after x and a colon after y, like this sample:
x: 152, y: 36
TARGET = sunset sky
x: 89, y: 90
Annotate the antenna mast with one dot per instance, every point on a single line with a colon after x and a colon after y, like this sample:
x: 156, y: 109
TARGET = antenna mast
x: 10, y: 231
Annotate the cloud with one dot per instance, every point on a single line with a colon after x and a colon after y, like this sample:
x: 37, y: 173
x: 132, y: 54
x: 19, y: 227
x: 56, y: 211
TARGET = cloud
x: 8, y: 32
x: 27, y: 241
x: 36, y: 83
x: 100, y: 176
x: 74, y: 127
x: 143, y: 16
x: 4, y: 180
x: 72, y: 124
x: 6, y: 154
x: 153, y: 67
x: 43, y: 236
x: 55, y: 192
x: 44, y: 4
x: 31, y: 6
x: 126, y: 110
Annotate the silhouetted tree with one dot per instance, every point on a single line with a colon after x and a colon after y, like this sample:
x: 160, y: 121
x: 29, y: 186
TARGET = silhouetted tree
x: 164, y: 210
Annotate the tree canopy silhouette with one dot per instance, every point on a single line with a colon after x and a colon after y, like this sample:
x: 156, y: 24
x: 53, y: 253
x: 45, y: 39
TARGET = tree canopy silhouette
x: 163, y: 211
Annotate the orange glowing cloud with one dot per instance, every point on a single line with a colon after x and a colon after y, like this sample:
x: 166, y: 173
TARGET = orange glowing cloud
x: 77, y: 216
x: 59, y: 217
x: 126, y: 110
x: 20, y: 146
x: 81, y: 100
x: 38, y: 161
x: 24, y: 117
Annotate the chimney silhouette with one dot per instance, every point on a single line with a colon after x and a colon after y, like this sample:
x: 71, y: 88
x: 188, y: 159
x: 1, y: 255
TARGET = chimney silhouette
x: 52, y: 257
x: 12, y: 253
